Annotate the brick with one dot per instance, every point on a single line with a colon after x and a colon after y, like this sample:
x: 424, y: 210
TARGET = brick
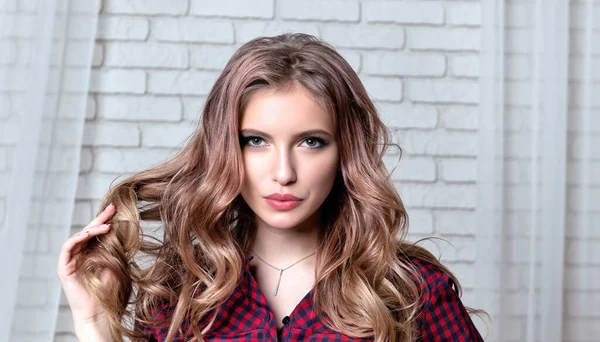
x: 3, y: 202
x: 575, y: 171
x: 192, y: 108
x: 122, y: 28
x: 459, y: 170
x: 579, y: 11
x: 13, y: 85
x: 5, y: 106
x: 464, y: 14
x: 65, y: 338
x: 248, y: 30
x: 10, y: 133
x: 64, y: 322
x: 411, y: 169
x: 118, y: 81
x: 184, y: 82
x: 111, y: 134
x: 578, y: 304
x: 576, y: 65
x: 386, y: 89
x: 33, y: 320
x: 82, y: 214
x: 464, y: 66
x: 519, y: 15
x: 94, y: 186
x: 402, y: 64
x: 575, y: 95
x: 320, y: 10
x: 444, y: 39
x: 583, y: 251
x: 128, y: 160
x: 74, y: 54
x: 373, y: 36
x: 262, y: 9
x: 407, y: 115
x: 163, y: 135
x: 458, y: 117
x: 404, y: 12
x: 33, y: 293
x: 578, y: 329
x: 211, y: 57
x: 576, y: 223
x: 98, y: 55
x: 90, y: 108
x: 151, y: 7
x: 150, y: 55
x: 85, y: 163
x: 3, y: 158
x: 444, y: 91
x: 582, y: 278
x: 192, y: 30
x: 438, y: 143
x: 43, y: 266
x: 19, y: 25
x: 465, y: 273
x: 139, y: 108
x: 420, y: 222
x: 520, y: 41
x: 517, y: 67
x: 445, y: 196
x: 8, y: 6
x: 454, y: 249
x: 352, y: 57
x: 8, y: 52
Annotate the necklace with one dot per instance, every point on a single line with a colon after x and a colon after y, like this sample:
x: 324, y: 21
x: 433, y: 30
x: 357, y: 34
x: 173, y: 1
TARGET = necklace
x: 282, y: 269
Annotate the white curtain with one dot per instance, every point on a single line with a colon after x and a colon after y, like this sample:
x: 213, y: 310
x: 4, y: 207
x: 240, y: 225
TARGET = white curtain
x: 537, y: 239
x: 46, y: 51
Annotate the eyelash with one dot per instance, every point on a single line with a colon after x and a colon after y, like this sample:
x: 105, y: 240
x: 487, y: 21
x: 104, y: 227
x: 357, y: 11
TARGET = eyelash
x: 246, y: 140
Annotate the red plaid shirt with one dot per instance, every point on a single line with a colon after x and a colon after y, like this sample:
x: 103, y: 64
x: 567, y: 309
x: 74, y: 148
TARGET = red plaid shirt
x: 246, y: 316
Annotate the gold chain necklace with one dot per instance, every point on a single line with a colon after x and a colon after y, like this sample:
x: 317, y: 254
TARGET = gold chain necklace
x: 281, y: 269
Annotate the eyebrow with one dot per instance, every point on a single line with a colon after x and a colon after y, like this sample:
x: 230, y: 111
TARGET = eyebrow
x: 296, y: 136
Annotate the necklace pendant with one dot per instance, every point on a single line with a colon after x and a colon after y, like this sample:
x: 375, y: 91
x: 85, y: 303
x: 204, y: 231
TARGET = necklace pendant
x: 278, y: 282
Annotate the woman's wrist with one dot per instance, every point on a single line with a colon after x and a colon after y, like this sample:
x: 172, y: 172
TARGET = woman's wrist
x: 96, y: 330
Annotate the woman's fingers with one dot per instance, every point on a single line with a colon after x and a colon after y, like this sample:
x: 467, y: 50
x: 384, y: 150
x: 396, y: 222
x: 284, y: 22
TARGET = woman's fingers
x: 103, y: 216
x: 74, y: 244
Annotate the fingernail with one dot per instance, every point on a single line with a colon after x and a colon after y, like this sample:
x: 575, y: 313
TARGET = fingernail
x: 109, y: 206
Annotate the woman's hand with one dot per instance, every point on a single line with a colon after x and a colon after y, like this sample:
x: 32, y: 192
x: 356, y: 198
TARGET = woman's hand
x: 86, y: 312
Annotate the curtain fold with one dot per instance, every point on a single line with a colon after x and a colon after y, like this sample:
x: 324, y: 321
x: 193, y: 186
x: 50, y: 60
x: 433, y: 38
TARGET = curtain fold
x: 537, y: 189
x: 46, y: 52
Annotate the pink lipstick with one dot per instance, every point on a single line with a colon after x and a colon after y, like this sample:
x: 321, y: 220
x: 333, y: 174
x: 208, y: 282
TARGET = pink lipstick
x: 283, y: 201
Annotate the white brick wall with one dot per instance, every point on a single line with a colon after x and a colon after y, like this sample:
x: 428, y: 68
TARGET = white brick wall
x: 155, y: 62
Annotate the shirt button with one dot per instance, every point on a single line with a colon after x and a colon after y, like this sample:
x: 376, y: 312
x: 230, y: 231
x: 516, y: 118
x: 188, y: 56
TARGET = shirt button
x: 285, y: 320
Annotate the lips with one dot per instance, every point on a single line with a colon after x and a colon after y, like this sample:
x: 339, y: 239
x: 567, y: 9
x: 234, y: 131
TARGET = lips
x: 283, y: 201
x: 283, y: 197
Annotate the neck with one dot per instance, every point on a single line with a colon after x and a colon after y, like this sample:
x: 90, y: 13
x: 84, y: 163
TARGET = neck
x: 283, y: 247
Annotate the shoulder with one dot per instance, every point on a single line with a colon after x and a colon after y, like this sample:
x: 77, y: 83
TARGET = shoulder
x: 443, y: 316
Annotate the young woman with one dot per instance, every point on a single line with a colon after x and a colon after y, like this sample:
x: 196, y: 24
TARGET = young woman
x: 280, y: 220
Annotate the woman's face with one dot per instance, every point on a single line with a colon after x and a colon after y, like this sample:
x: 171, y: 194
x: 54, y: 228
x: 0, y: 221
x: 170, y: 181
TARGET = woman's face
x: 290, y: 157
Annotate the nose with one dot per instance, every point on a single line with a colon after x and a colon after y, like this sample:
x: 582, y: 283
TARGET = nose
x: 283, y: 170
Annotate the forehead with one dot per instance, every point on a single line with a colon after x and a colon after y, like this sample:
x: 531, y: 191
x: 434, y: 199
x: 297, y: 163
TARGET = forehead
x: 291, y: 109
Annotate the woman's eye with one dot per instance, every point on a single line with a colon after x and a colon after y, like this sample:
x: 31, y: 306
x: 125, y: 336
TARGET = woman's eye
x: 253, y: 141
x: 314, y: 142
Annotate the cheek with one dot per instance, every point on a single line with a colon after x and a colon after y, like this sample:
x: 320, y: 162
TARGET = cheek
x: 323, y: 171
x: 252, y: 170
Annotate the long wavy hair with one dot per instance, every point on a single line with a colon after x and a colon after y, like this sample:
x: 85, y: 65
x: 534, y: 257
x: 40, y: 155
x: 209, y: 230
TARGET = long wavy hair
x: 363, y: 284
